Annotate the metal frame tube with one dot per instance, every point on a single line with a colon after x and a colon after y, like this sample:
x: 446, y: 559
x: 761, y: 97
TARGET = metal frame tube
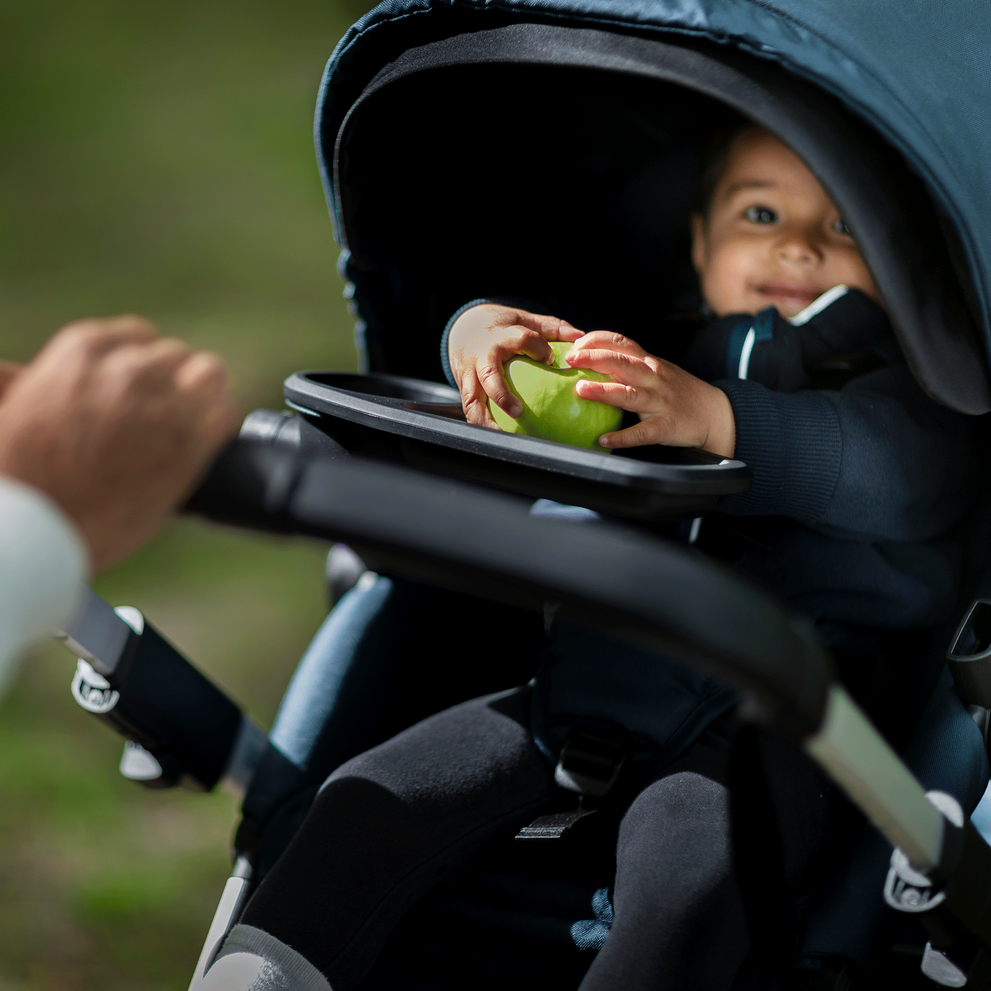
x: 852, y: 752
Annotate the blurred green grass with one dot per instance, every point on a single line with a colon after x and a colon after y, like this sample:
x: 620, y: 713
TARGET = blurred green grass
x: 157, y: 158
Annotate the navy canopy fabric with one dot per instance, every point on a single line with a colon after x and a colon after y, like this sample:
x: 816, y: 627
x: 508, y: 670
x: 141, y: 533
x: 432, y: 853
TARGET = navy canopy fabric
x: 917, y: 71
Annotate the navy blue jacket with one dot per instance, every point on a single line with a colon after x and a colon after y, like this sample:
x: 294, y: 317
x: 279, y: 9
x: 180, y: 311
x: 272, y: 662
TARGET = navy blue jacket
x: 859, y: 478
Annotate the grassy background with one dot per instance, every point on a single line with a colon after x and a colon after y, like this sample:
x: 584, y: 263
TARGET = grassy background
x: 157, y: 158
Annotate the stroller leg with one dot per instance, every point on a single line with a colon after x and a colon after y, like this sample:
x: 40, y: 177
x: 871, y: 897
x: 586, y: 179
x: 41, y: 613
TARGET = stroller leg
x: 252, y: 959
x: 231, y: 903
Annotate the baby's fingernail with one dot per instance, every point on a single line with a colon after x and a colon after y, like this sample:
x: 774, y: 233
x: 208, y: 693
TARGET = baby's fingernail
x: 605, y: 440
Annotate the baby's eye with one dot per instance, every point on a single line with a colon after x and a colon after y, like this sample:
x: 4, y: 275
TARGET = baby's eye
x: 761, y: 215
x: 840, y: 227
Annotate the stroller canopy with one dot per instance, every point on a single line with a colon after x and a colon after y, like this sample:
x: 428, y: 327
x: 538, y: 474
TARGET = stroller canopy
x: 547, y: 149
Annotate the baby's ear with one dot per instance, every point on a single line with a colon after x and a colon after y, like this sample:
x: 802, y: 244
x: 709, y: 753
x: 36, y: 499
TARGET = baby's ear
x: 700, y: 242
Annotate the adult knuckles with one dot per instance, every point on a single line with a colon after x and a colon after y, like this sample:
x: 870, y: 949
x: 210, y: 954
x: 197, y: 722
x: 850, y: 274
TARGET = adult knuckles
x: 93, y: 331
x: 81, y: 335
x: 202, y: 370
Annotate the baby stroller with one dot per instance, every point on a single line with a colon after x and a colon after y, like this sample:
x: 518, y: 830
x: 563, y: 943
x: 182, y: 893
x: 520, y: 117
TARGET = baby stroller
x: 617, y: 91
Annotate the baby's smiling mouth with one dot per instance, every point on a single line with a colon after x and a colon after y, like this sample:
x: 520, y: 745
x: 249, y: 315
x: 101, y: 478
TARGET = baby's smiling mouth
x: 795, y: 293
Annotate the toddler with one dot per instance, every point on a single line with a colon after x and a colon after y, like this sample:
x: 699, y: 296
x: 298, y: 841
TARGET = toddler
x: 857, y: 476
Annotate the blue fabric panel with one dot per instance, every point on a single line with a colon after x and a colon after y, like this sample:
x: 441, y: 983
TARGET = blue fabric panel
x: 586, y: 677
x: 734, y: 347
x: 764, y: 325
x: 313, y: 692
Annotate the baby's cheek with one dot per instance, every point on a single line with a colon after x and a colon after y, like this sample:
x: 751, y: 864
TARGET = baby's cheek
x: 728, y: 273
x: 854, y: 273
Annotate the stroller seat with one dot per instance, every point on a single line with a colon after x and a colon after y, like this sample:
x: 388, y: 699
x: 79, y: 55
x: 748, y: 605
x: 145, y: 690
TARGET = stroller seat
x: 535, y: 913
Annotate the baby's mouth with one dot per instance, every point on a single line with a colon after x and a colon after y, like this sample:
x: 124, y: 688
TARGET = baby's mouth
x: 791, y: 293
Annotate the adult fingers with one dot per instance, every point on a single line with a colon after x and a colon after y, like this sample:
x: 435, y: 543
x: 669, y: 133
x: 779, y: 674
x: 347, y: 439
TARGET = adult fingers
x: 202, y: 380
x: 146, y: 365
x: 201, y: 373
x: 9, y: 370
x: 97, y: 336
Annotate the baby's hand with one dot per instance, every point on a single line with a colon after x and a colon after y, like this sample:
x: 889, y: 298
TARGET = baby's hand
x: 675, y: 408
x: 486, y: 336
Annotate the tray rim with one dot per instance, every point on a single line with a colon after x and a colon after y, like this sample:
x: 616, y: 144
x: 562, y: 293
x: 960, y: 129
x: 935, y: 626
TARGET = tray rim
x: 724, y: 477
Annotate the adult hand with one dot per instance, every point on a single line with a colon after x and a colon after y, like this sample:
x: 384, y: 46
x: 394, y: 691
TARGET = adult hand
x: 485, y: 337
x: 115, y: 424
x: 675, y: 407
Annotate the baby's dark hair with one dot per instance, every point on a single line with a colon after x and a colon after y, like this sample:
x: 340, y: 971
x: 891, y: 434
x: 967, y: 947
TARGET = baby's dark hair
x: 715, y: 152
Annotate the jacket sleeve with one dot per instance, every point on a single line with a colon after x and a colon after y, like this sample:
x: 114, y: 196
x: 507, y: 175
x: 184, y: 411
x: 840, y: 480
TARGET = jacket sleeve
x: 876, y: 460
x: 42, y: 561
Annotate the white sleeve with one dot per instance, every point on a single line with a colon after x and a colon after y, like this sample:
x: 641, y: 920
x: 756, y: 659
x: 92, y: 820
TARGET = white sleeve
x: 42, y: 561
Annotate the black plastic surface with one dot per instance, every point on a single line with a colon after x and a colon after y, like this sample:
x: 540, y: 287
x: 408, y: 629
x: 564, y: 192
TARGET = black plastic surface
x: 174, y: 711
x: 605, y: 577
x: 420, y: 423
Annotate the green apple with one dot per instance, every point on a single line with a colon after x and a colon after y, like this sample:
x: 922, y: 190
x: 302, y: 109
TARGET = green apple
x: 552, y: 410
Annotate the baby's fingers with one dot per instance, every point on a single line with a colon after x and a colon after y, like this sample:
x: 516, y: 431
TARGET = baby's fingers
x: 613, y: 393
x: 609, y: 341
x: 627, y: 368
x: 493, y: 386
x: 475, y: 401
x: 530, y: 343
x: 640, y: 434
x: 550, y: 328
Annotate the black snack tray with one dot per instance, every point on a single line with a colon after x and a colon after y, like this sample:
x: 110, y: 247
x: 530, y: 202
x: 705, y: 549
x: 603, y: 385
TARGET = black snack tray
x: 421, y: 423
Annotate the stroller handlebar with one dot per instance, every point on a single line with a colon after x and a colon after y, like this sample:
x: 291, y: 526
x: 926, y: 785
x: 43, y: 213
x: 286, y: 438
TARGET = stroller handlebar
x: 606, y: 576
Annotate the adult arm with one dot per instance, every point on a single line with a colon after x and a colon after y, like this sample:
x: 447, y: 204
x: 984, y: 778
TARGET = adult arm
x: 42, y: 561
x: 115, y: 424
x: 101, y: 436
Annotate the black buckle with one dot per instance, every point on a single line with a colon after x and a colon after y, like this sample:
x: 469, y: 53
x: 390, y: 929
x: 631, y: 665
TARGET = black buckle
x: 591, y: 760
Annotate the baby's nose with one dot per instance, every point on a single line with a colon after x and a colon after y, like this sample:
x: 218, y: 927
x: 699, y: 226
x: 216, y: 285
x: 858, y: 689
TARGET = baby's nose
x: 798, y: 248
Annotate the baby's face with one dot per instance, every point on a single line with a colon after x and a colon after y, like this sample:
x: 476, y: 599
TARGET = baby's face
x: 772, y: 236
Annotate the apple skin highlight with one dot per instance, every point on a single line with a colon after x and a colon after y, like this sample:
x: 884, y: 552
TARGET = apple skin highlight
x: 552, y: 410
